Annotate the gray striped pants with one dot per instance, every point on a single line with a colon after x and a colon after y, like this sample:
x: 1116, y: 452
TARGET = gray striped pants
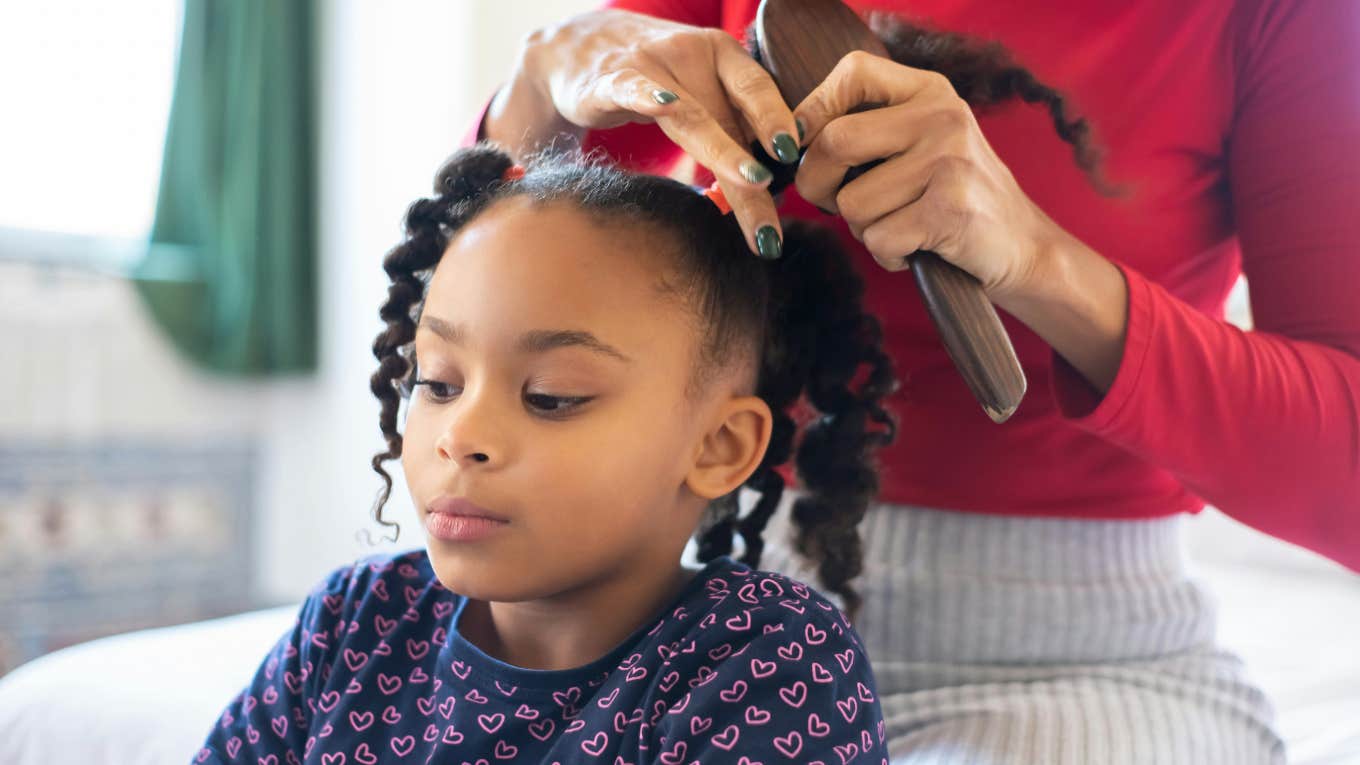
x: 1003, y: 640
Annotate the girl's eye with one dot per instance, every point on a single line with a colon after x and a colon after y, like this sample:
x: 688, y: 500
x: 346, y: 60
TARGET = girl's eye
x: 541, y: 403
x: 554, y: 405
x: 438, y: 391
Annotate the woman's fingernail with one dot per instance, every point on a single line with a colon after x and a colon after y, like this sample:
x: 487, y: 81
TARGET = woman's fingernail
x: 664, y: 97
x: 802, y: 131
x: 785, y: 148
x: 767, y: 242
x: 755, y: 172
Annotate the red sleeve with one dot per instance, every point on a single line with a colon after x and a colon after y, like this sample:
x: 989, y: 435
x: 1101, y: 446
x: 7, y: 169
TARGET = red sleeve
x: 474, y: 131
x: 1265, y: 425
x: 697, y: 13
x: 644, y: 148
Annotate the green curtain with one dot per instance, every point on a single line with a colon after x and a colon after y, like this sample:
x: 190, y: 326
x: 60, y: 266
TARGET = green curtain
x: 230, y: 272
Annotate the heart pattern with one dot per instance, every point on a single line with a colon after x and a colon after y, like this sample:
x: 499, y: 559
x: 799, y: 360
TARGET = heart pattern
x: 745, y: 665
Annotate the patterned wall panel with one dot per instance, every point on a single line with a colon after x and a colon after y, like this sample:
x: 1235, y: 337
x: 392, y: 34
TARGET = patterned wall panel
x: 106, y: 537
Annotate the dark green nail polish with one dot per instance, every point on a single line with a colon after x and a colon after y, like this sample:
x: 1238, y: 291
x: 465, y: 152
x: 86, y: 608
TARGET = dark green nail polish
x: 664, y: 97
x: 767, y: 242
x: 802, y: 131
x: 785, y: 148
x: 755, y: 172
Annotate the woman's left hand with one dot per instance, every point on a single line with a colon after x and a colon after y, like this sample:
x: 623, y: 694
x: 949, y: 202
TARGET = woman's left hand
x: 941, y: 187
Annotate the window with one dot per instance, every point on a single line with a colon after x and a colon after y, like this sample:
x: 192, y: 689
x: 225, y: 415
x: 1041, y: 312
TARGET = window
x: 86, y: 94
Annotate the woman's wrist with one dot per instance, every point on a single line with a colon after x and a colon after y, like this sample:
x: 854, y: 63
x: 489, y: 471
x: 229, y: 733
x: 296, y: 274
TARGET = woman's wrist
x: 1078, y: 301
x: 521, y: 116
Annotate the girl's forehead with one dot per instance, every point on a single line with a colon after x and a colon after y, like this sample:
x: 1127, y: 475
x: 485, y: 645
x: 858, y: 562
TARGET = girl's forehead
x: 558, y: 248
x: 558, y: 234
x: 550, y: 266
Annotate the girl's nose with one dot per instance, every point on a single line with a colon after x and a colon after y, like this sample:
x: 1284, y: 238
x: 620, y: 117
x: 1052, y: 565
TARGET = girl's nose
x: 470, y: 458
x: 469, y: 440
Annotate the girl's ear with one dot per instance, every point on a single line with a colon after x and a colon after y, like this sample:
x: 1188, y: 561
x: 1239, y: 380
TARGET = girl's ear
x: 732, y: 447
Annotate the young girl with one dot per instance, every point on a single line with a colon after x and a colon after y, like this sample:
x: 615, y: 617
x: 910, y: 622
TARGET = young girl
x: 595, y: 366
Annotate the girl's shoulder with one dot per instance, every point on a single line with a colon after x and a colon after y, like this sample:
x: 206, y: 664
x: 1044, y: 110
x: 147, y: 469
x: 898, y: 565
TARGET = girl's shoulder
x: 751, y: 616
x: 765, y: 666
x: 745, y: 599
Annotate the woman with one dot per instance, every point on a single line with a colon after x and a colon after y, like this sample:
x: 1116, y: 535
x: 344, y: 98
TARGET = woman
x: 1025, y: 596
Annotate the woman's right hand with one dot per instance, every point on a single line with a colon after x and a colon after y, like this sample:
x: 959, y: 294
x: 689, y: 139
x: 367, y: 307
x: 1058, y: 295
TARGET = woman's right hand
x: 700, y: 86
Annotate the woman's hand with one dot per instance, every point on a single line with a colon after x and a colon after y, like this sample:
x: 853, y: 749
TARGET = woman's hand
x: 941, y: 187
x: 607, y: 68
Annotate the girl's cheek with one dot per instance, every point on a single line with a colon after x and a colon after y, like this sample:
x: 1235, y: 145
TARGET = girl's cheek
x: 417, y: 441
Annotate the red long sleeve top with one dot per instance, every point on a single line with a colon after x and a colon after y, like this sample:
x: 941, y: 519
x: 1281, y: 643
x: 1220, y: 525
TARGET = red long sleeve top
x: 1236, y: 127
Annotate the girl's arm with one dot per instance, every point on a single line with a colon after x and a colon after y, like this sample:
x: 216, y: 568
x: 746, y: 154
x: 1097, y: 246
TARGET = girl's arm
x: 272, y: 716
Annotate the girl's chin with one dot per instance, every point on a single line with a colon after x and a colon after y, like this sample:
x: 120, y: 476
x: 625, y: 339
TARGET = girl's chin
x: 480, y: 578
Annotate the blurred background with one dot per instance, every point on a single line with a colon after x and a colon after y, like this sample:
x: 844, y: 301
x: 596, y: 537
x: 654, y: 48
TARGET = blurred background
x: 188, y: 297
x: 143, y: 481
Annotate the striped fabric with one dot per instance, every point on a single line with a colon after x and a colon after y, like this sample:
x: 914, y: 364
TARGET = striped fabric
x: 1001, y: 640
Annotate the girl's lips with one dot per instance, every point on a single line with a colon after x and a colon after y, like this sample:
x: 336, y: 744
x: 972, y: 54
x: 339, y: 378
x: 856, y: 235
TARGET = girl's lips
x: 447, y: 505
x: 461, y: 528
x: 456, y: 519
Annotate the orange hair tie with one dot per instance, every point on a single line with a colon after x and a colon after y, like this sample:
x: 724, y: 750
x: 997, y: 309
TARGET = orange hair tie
x: 513, y: 173
x: 716, y: 195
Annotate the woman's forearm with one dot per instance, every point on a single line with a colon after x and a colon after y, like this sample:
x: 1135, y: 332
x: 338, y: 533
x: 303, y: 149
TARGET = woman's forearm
x: 1078, y: 303
x: 1261, y: 424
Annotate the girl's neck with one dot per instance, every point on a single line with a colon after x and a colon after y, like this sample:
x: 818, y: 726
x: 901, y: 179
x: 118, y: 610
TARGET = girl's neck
x: 573, y: 628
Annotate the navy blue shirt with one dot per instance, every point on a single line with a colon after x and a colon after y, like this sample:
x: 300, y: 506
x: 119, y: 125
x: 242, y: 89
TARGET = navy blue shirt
x: 743, y: 663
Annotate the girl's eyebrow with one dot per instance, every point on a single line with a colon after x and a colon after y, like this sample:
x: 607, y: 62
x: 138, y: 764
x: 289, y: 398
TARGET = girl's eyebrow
x: 536, y: 341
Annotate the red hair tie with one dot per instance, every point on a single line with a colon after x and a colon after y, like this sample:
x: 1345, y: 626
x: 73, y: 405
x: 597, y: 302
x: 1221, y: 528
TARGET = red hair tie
x: 716, y: 195
x: 513, y: 173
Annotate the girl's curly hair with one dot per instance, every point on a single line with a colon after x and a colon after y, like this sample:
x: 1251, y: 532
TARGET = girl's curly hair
x: 801, y: 318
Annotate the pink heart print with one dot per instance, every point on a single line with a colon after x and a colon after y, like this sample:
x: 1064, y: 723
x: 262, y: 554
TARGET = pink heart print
x: 738, y: 669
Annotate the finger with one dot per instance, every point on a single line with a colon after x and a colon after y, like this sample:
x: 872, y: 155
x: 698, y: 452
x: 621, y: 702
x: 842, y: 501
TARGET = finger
x: 758, y: 218
x: 625, y: 94
x: 691, y: 127
x: 860, y: 78
x: 925, y: 224
x: 712, y: 95
x: 896, y: 183
x: 684, y: 119
x: 855, y: 139
x: 688, y: 119
x: 895, y: 238
x: 849, y: 141
x: 756, y: 96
